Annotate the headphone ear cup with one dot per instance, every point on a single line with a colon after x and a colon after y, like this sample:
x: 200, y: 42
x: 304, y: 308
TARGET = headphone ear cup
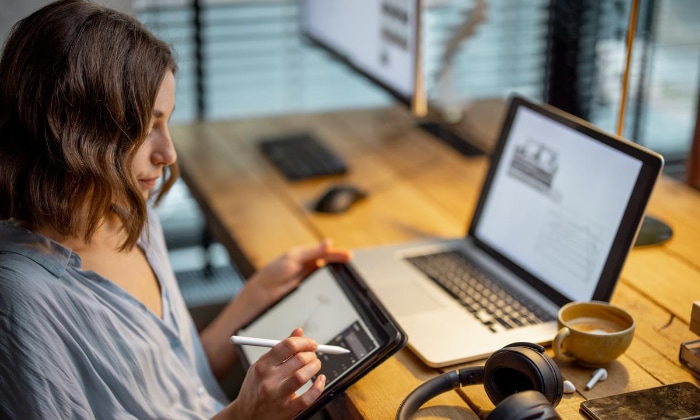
x: 524, y: 405
x: 436, y: 386
x: 521, y: 367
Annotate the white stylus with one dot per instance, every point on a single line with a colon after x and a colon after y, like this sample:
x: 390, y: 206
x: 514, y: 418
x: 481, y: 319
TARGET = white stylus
x: 266, y: 342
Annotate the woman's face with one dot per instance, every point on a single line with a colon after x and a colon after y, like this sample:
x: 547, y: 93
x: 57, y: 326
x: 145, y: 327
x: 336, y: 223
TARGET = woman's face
x: 157, y: 150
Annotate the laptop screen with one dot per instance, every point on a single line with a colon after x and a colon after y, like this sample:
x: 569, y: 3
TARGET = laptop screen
x: 556, y: 199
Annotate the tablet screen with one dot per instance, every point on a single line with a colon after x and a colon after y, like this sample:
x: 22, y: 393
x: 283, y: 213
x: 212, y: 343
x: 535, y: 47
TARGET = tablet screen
x: 322, y: 306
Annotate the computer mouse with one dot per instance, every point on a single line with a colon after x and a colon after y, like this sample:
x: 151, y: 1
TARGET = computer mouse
x: 339, y: 198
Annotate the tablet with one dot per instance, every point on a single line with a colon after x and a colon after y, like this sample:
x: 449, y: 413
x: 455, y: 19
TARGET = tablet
x: 334, y: 306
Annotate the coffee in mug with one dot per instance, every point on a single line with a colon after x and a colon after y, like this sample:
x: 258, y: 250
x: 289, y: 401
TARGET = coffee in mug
x: 592, y: 333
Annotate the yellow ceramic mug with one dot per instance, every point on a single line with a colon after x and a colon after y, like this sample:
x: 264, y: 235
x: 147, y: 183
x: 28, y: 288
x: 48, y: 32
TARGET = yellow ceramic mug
x: 592, y: 333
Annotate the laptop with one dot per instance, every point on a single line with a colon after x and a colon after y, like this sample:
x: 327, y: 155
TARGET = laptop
x: 558, y: 212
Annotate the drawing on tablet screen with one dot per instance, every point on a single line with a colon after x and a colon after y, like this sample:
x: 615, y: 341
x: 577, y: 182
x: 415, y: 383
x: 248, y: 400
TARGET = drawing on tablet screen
x: 318, y: 311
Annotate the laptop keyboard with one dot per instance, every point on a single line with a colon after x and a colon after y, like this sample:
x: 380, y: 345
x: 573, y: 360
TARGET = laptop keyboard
x: 497, y: 306
x: 302, y: 156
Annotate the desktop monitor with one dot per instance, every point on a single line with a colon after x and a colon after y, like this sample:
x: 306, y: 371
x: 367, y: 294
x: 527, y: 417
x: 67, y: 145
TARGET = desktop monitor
x: 380, y: 39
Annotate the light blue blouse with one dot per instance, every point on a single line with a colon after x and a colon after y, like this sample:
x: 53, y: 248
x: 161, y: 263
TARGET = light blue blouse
x: 75, y: 345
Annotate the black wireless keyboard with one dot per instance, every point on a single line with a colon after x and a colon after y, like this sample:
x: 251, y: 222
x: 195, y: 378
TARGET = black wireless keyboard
x: 302, y: 156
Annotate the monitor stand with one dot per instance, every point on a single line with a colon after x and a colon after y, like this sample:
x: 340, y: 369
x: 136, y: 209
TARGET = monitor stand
x: 447, y: 136
x: 653, y: 232
x: 471, y: 128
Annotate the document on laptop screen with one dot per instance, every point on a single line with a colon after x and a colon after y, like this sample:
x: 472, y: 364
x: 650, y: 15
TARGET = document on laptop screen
x: 565, y: 224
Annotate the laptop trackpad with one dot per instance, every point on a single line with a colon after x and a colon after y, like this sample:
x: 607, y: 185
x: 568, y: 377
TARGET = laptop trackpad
x: 408, y: 299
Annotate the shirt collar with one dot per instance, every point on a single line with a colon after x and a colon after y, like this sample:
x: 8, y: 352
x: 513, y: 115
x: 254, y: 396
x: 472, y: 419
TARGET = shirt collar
x: 51, y: 255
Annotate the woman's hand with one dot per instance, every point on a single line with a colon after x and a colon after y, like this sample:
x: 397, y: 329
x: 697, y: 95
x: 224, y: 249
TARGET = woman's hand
x: 284, y: 273
x: 269, y: 388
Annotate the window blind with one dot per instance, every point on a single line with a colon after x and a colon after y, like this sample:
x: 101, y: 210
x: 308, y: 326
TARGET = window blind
x: 570, y: 53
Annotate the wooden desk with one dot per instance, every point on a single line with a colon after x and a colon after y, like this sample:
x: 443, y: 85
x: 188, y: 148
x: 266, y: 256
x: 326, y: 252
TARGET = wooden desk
x: 420, y: 188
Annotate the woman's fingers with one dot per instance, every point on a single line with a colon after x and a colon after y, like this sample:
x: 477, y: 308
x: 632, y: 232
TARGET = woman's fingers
x: 287, y: 348
x: 298, y: 371
x: 297, y: 332
x: 269, y: 388
x: 323, y: 252
x: 315, y: 391
x: 307, y: 398
x: 296, y: 360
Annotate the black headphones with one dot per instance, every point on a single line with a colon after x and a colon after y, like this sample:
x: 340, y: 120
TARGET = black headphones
x: 520, y: 379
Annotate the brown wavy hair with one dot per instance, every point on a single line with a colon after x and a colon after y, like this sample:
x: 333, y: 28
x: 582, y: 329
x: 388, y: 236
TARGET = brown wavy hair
x: 78, y: 84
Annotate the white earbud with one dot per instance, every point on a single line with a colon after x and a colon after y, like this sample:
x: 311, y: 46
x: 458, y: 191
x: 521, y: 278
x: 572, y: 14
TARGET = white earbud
x: 599, y: 375
x: 569, y: 387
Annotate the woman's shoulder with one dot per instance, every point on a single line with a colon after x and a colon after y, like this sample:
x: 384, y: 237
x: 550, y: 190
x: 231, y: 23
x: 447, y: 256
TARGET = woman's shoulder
x: 28, y: 262
x: 38, y: 300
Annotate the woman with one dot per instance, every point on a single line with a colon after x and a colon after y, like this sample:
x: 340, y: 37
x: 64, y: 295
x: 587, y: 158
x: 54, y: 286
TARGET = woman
x: 92, y: 324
